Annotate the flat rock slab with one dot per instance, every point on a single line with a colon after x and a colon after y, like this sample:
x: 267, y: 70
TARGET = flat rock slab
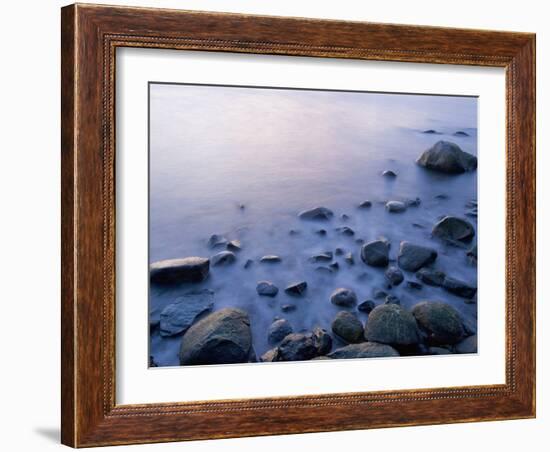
x: 177, y: 317
x: 174, y: 271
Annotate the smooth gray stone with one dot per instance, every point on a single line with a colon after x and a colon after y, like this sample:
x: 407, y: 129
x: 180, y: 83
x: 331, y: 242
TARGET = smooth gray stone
x: 447, y: 157
x: 186, y: 270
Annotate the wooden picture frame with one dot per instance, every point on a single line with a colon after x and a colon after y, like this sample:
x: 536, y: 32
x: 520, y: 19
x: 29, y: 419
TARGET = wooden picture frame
x: 90, y: 36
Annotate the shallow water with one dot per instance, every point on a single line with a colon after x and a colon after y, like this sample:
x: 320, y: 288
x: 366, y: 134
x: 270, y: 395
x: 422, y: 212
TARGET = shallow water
x: 278, y: 152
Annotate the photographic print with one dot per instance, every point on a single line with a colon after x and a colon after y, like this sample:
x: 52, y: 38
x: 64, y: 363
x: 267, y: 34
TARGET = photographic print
x: 297, y: 224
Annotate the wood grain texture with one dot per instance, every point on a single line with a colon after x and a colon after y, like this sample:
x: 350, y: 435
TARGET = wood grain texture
x: 90, y: 36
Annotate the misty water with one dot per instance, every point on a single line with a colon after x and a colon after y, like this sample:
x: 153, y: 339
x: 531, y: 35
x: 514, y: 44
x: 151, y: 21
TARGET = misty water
x: 277, y: 152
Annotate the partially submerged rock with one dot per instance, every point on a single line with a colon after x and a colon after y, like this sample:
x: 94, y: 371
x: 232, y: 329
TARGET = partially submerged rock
x: 375, y: 253
x: 447, y: 157
x: 318, y: 213
x: 266, y: 289
x: 392, y: 299
x: 391, y: 324
x: 321, y: 257
x: 345, y: 230
x: 461, y: 133
x: 413, y: 257
x: 223, y: 258
x: 297, y: 288
x: 441, y: 322
x: 364, y: 350
x: 460, y: 288
x: 321, y: 340
x: 288, y: 307
x: 217, y: 240
x: 278, y: 330
x: 454, y: 229
x: 367, y: 306
x: 222, y: 337
x: 396, y: 206
x: 174, y: 271
x: 270, y: 259
x: 349, y: 258
x: 365, y: 204
x: 394, y: 276
x: 431, y: 277
x: 348, y: 327
x: 297, y: 347
x: 343, y: 297
x: 389, y: 174
x: 234, y: 245
x: 177, y: 317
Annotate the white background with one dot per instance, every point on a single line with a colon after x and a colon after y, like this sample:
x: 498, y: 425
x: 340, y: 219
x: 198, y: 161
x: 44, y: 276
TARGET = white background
x: 29, y: 393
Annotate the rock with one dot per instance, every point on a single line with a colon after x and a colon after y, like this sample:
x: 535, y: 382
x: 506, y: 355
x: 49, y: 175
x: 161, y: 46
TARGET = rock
x: 349, y: 258
x: 418, y: 226
x: 270, y: 259
x: 321, y: 232
x: 359, y: 241
x: 453, y: 229
x: 177, y: 317
x: 430, y: 131
x: 367, y: 306
x: 389, y: 174
x: 414, y: 202
x: 216, y: 240
x: 344, y: 230
x: 335, y: 266
x: 364, y: 350
x: 278, y: 330
x: 222, y: 337
x: 442, y: 196
x: 321, y: 257
x: 338, y: 251
x: 378, y: 294
x: 343, y: 297
x: 414, y: 285
x: 391, y: 324
x: 344, y: 217
x: 392, y: 299
x: 447, y: 157
x: 318, y: 213
x: 297, y: 289
x: 439, y: 351
x: 460, y: 133
x: 173, y: 271
x: 396, y: 206
x: 152, y: 362
x: 472, y: 255
x: 431, y: 277
x: 440, y: 321
x: 270, y: 356
x: 248, y: 263
x: 413, y: 257
x: 468, y: 345
x: 376, y: 253
x: 293, y: 232
x: 266, y: 289
x: 321, y: 340
x: 153, y: 325
x: 324, y: 270
x: 348, y: 327
x: 459, y: 288
x: 234, y: 245
x: 365, y: 204
x: 223, y: 258
x: 288, y: 307
x: 297, y: 347
x: 394, y: 276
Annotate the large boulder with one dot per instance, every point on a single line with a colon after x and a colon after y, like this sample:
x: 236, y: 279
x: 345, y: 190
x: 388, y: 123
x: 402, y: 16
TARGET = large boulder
x: 297, y: 347
x: 441, y: 322
x: 459, y: 288
x: 222, y: 337
x: 413, y: 257
x: 348, y: 327
x: 174, y: 271
x: 318, y: 213
x: 447, y: 157
x: 391, y: 324
x: 364, y: 350
x: 454, y: 229
x: 177, y: 317
x: 343, y: 297
x: 278, y: 330
x: 376, y: 253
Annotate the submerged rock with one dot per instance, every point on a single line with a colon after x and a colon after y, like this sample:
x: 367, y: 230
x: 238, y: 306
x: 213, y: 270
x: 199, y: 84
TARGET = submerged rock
x: 288, y: 307
x: 365, y: 204
x: 343, y: 297
x: 338, y: 251
x: 248, y: 263
x: 367, y: 306
x: 396, y: 206
x: 447, y: 157
x: 344, y: 230
x: 459, y: 288
x: 173, y: 271
x: 270, y: 259
x: 461, y: 133
x: 413, y: 257
x: 321, y: 232
x: 364, y: 350
x: 472, y: 255
x: 344, y: 217
x: 414, y: 285
x: 321, y: 257
x: 391, y: 324
x: 349, y: 258
x: 177, y: 317
x: 266, y: 289
x: 468, y: 345
x: 222, y: 337
x: 394, y: 276
x: 431, y: 277
x: 392, y: 299
x: 430, y: 131
x: 234, y: 245
x: 318, y: 213
x: 454, y: 229
x: 223, y: 258
x: 270, y: 356
x: 376, y: 253
x: 296, y: 289
x: 440, y: 321
x: 389, y: 174
x: 348, y: 327
x: 278, y: 330
x: 321, y: 340
x: 297, y: 347
x: 216, y: 240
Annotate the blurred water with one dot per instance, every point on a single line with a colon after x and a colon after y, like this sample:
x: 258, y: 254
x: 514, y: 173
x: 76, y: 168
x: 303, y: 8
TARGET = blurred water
x: 278, y: 152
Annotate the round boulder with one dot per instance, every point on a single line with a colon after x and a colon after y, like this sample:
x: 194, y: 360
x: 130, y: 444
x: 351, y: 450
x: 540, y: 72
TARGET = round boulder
x: 454, y: 229
x: 343, y: 297
x: 394, y: 276
x: 348, y: 327
x: 440, y: 321
x: 376, y: 253
x: 391, y: 324
x: 364, y: 350
x: 278, y: 330
x: 266, y: 289
x: 447, y: 157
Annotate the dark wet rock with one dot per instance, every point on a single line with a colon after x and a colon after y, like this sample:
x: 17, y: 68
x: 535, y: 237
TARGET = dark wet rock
x: 431, y: 132
x: 389, y: 174
x: 344, y: 217
x: 359, y: 241
x: 152, y: 362
x: 321, y: 232
x: 376, y: 253
x: 222, y: 337
x: 297, y: 347
x: 394, y: 275
x: 396, y: 206
x: 242, y: 206
x: 248, y: 263
x: 471, y: 213
x: 364, y: 350
x: 338, y: 251
x: 442, y: 196
x: 234, y: 245
x: 365, y: 204
x: 270, y: 356
x: 418, y: 226
x: 266, y: 289
x: 322, y: 340
x: 472, y: 255
x: 440, y: 321
x: 349, y: 258
x: 461, y: 133
x: 459, y: 288
x: 343, y: 297
x: 344, y: 230
x: 153, y: 325
x: 391, y: 324
x: 321, y: 257
x: 177, y: 317
x: 223, y: 258
x: 413, y: 257
x: 217, y: 240
x: 414, y: 202
x: 379, y: 294
x: 367, y: 306
x: 318, y: 213
x: 471, y: 203
x: 392, y: 299
x: 335, y: 266
x: 278, y: 330
x: 173, y: 271
x: 431, y: 277
x: 447, y: 157
x: 296, y: 289
x: 439, y: 351
x: 468, y: 345
x: 414, y: 285
x: 293, y: 232
x: 348, y: 327
x: 288, y: 307
x: 270, y: 259
x: 454, y: 229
